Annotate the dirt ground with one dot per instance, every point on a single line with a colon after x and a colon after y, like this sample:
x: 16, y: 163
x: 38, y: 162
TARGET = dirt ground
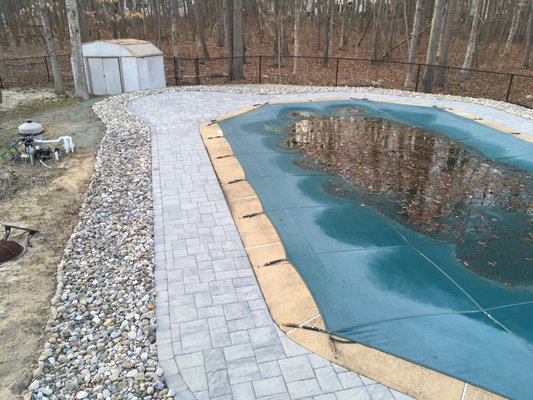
x: 46, y: 199
x: 13, y: 98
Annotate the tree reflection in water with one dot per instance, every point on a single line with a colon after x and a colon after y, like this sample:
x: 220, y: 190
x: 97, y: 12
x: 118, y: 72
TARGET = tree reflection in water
x: 431, y: 184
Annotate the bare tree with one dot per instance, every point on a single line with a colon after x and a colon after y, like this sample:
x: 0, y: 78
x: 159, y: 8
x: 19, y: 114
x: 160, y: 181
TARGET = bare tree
x: 411, y: 58
x: 514, y: 27
x: 200, y: 28
x: 228, y: 33
x: 174, y: 15
x: 471, y: 49
x: 238, y: 44
x: 444, y: 44
x: 4, y: 41
x: 296, y: 35
x: 157, y: 12
x: 529, y: 36
x: 433, y: 46
x: 49, y: 38
x: 281, y: 46
x: 328, y: 33
x: 344, y: 15
x: 82, y: 6
x: 375, y: 28
x: 78, y: 70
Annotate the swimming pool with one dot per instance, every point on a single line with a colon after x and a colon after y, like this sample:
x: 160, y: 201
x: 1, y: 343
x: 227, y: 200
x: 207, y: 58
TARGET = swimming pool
x: 382, y: 283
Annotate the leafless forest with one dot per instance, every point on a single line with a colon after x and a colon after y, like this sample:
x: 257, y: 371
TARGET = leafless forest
x: 493, y: 35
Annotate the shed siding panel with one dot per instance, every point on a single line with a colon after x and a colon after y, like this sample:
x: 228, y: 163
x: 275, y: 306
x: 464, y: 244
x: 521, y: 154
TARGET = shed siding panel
x: 131, y: 74
x: 144, y: 76
x: 156, y: 71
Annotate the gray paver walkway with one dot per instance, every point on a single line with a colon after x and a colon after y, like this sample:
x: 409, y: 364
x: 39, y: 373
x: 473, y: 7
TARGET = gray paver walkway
x: 215, y: 337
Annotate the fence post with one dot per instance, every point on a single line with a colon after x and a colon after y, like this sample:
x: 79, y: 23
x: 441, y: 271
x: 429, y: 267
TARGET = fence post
x: 175, y: 71
x: 509, y: 88
x: 47, y: 70
x: 260, y: 68
x: 197, y: 70
x: 337, y: 73
x: 417, y: 77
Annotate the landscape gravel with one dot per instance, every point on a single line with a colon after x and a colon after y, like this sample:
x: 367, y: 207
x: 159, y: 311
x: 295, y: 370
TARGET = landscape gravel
x: 101, y: 332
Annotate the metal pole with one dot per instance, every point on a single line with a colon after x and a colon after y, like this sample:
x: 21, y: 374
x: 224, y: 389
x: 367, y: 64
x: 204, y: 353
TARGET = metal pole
x: 509, y: 88
x: 197, y: 70
x: 337, y: 73
x: 417, y: 77
x: 175, y: 71
x: 47, y: 70
x: 260, y: 68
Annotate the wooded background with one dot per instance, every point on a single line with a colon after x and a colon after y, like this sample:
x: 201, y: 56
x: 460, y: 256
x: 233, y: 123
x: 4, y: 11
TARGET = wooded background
x: 492, y: 35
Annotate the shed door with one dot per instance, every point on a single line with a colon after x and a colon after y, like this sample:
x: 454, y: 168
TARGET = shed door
x: 105, y: 75
x: 96, y: 71
x: 112, y: 75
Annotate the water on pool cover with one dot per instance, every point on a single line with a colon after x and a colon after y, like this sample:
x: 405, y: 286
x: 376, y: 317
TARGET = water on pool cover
x: 410, y: 226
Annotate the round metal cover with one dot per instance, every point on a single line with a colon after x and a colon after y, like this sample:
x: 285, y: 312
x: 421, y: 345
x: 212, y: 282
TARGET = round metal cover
x: 10, y: 250
x: 30, y: 128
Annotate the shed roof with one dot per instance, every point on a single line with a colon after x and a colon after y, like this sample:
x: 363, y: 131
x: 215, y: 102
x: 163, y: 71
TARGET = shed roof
x: 121, y: 47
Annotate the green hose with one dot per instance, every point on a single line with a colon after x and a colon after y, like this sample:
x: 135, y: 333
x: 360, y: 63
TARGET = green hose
x: 10, y: 147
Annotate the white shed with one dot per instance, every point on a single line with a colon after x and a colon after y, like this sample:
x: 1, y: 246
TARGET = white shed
x: 123, y: 65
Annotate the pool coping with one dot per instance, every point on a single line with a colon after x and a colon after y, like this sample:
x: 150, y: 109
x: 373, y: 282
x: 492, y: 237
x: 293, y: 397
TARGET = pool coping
x: 284, y: 290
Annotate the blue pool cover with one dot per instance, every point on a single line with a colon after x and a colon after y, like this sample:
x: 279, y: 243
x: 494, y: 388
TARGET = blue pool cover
x: 377, y: 282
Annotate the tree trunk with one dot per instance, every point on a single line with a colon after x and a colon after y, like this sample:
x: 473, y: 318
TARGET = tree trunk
x: 411, y: 58
x: 471, y: 49
x: 59, y: 21
x: 444, y: 44
x: 296, y: 36
x: 376, y: 12
x: 174, y: 15
x: 157, y: 14
x: 192, y: 20
x: 238, y: 45
x: 82, y: 7
x: 174, y: 36
x: 4, y: 41
x: 319, y: 22
x: 433, y: 46
x: 11, y: 18
x: 49, y: 38
x: 328, y: 33
x: 529, y: 36
x: 277, y: 33
x: 228, y: 34
x: 342, y: 39
x: 513, y: 29
x: 78, y: 70
x: 200, y: 29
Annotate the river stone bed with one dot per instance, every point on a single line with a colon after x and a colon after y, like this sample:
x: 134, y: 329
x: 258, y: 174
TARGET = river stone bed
x: 101, y: 333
